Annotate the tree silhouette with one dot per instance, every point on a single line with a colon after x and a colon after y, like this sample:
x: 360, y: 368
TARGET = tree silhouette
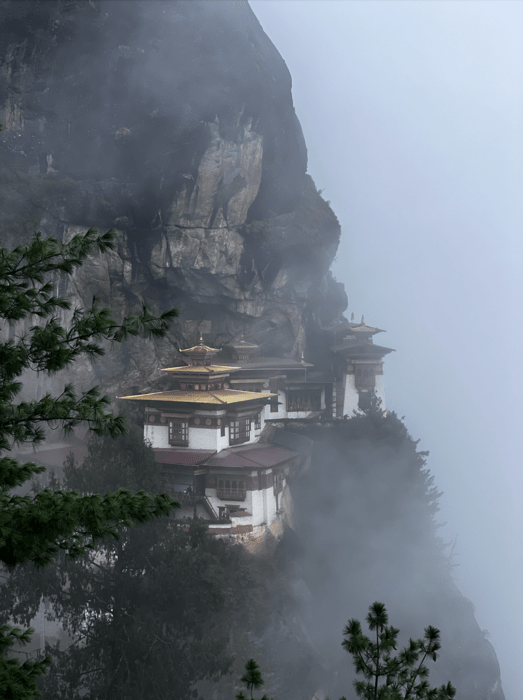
x: 391, y: 676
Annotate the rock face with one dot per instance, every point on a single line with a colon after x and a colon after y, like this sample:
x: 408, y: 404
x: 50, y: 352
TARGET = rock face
x: 173, y: 123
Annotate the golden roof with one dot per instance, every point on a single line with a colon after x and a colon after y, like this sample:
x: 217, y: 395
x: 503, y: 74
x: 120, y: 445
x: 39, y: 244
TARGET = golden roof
x: 218, y: 397
x: 201, y: 348
x: 200, y: 369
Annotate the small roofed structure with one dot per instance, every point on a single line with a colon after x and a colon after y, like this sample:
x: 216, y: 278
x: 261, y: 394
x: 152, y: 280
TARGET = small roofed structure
x: 297, y: 391
x: 201, y: 354
x: 359, y: 366
x: 244, y: 350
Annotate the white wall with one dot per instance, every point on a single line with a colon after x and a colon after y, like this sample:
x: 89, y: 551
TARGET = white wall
x: 380, y: 389
x: 351, y: 396
x: 218, y: 503
x: 271, y: 505
x: 157, y: 435
x: 206, y: 438
x: 261, y: 504
x: 199, y: 438
x: 282, y: 408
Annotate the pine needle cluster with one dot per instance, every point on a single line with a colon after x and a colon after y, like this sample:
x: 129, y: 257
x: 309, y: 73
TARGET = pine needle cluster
x: 390, y: 676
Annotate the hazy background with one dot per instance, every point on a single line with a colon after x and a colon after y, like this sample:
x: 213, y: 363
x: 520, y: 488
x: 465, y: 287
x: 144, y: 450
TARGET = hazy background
x: 412, y: 113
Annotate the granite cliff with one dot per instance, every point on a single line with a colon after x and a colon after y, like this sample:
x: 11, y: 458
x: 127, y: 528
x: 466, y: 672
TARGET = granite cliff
x: 172, y: 123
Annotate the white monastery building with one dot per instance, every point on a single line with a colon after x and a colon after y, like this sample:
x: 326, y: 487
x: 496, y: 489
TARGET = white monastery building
x: 208, y: 433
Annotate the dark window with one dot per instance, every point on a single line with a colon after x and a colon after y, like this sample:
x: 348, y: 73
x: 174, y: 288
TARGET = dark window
x: 278, y: 482
x: 365, y: 378
x: 274, y: 404
x: 178, y: 431
x: 304, y: 400
x: 239, y: 430
x: 231, y: 490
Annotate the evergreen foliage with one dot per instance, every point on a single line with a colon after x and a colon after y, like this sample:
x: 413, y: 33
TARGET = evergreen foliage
x: 379, y: 539
x: 388, y: 676
x: 149, y: 614
x: 252, y: 678
x: 35, y: 528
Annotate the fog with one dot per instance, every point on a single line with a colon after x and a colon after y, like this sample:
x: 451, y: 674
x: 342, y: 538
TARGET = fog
x: 412, y: 116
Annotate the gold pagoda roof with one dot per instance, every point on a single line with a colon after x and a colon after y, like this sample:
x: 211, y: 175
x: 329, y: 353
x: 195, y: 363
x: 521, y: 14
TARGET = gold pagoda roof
x: 200, y: 369
x: 217, y: 397
x: 201, y: 348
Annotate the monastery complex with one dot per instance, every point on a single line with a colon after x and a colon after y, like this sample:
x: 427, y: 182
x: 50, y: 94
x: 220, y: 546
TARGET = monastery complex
x: 219, y: 432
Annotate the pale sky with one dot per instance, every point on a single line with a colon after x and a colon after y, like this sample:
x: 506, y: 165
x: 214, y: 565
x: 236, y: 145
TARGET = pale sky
x: 413, y: 112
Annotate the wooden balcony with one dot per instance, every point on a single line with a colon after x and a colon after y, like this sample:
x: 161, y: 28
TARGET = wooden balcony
x: 231, y: 494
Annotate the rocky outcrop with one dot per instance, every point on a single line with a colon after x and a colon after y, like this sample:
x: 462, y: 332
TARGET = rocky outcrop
x: 172, y: 123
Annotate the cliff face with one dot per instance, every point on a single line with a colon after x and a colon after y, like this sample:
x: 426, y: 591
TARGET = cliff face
x: 171, y: 122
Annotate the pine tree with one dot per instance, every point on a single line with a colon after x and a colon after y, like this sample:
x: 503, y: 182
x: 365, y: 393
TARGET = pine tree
x: 252, y: 678
x: 147, y: 615
x: 35, y: 528
x: 388, y: 676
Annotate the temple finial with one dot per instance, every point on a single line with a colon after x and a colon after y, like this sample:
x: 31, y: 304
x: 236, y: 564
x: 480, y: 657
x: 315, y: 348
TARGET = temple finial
x: 352, y: 316
x: 200, y: 342
x: 363, y: 320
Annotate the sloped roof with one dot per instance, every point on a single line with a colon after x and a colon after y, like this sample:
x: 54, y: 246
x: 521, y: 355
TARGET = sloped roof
x: 200, y: 369
x: 257, y: 455
x: 216, y: 397
x: 368, y: 349
x: 271, y: 363
x: 188, y: 457
x: 293, y: 441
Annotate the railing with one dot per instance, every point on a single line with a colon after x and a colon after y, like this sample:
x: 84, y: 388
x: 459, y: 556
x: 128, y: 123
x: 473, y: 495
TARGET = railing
x: 231, y: 494
x: 187, y: 498
x: 213, y: 513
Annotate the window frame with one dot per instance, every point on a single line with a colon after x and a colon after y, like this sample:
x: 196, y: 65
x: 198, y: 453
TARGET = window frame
x: 178, y: 437
x: 239, y: 430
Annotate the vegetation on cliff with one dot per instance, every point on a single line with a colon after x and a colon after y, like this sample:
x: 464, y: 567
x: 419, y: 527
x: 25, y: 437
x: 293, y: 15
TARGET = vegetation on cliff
x: 147, y: 614
x: 367, y: 514
x: 388, y: 676
x: 35, y: 528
